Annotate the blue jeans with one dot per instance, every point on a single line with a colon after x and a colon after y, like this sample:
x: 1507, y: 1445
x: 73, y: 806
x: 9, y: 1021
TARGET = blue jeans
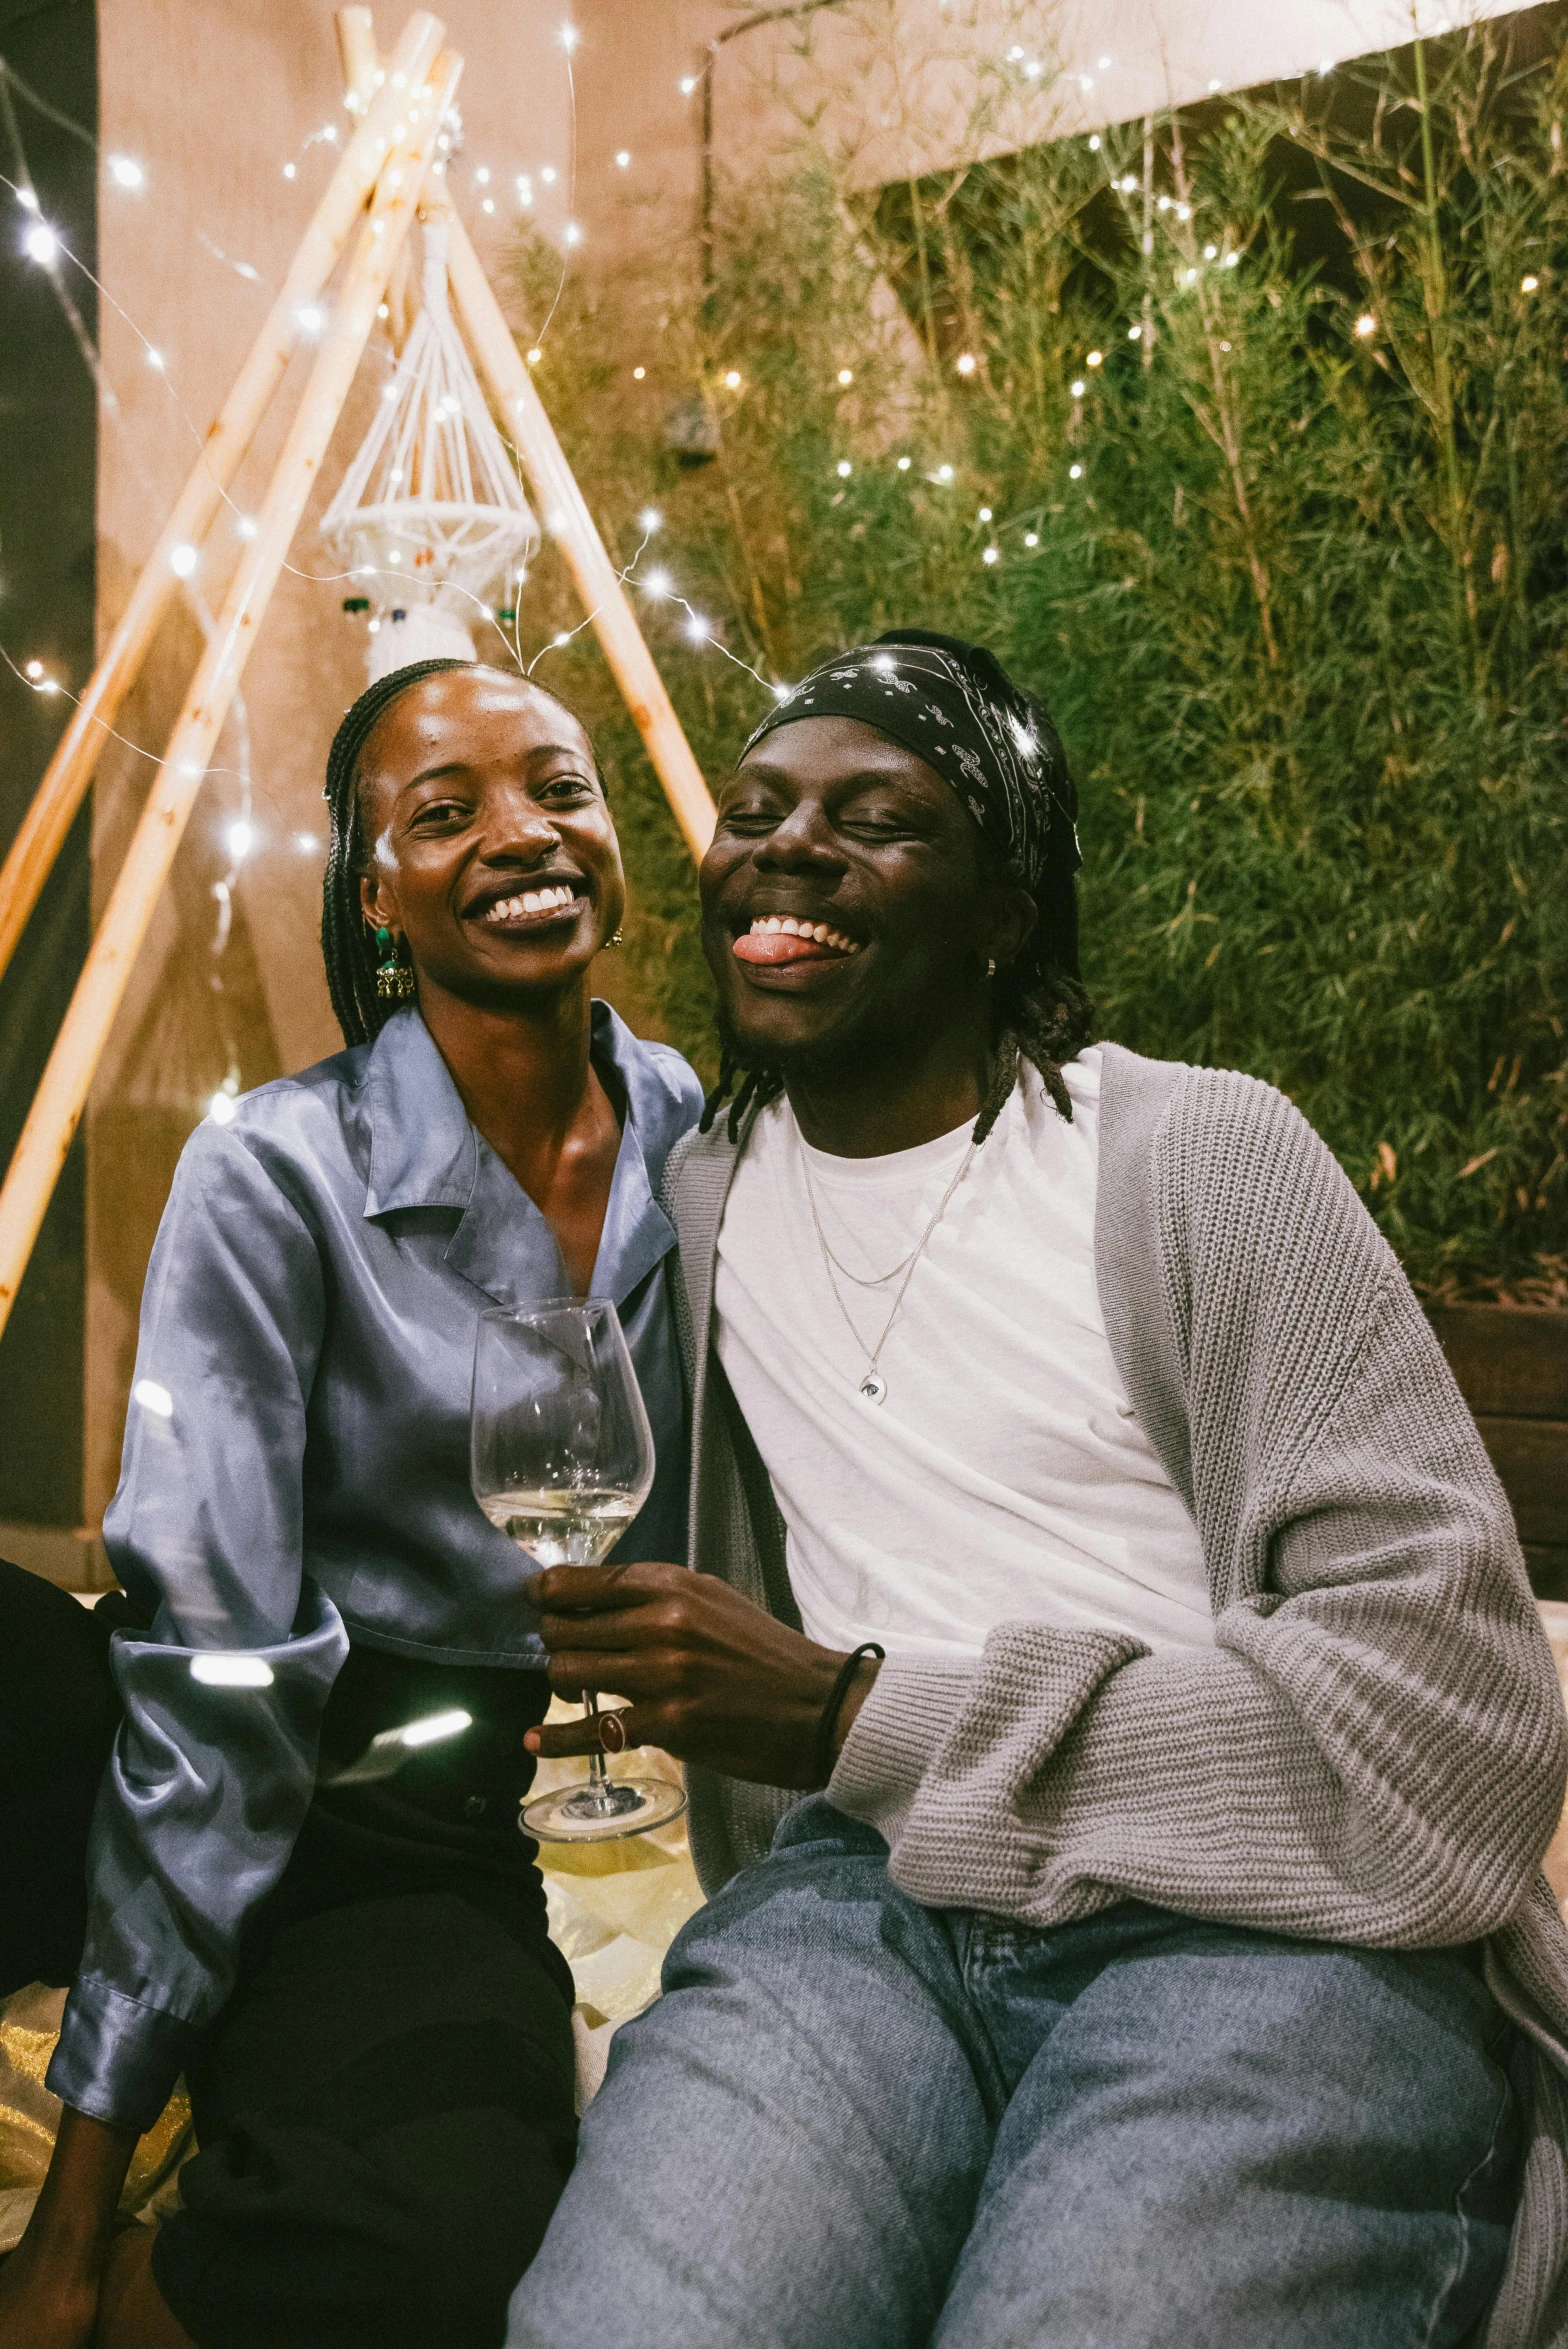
x: 855, y: 2123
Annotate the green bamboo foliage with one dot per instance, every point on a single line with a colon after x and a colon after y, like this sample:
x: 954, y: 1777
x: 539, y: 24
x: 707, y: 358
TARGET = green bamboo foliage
x: 1244, y: 441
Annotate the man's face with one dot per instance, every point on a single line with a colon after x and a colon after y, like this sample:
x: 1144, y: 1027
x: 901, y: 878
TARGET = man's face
x: 828, y: 826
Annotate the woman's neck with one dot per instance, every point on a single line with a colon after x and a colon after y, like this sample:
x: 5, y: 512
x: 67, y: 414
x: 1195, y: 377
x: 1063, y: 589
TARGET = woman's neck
x: 523, y: 1072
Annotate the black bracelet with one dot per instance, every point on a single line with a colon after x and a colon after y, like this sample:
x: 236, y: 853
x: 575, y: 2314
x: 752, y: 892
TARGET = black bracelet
x: 825, y: 1756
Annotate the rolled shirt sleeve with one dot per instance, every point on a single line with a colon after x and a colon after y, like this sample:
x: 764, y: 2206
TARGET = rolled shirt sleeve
x: 214, y: 1766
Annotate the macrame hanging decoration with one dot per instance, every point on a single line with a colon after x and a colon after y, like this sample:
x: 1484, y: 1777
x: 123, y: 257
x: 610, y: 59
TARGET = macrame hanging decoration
x: 430, y: 518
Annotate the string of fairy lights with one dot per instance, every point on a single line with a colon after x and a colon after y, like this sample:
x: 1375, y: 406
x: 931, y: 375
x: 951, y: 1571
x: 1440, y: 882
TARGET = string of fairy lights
x: 41, y: 244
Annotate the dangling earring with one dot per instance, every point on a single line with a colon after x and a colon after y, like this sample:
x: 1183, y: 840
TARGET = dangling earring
x: 618, y: 939
x: 394, y: 980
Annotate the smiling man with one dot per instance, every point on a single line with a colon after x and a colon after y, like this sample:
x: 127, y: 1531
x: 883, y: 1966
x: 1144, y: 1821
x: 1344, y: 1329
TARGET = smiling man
x: 1090, y: 1530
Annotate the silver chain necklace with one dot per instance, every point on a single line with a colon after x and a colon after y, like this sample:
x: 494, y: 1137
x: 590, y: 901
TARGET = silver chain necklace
x: 874, y: 1386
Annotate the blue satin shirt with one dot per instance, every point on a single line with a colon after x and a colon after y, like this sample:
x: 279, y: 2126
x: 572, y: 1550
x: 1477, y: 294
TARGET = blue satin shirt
x: 296, y: 1474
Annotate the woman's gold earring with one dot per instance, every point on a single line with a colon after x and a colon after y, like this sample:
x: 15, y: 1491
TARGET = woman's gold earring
x: 395, y: 982
x: 617, y: 938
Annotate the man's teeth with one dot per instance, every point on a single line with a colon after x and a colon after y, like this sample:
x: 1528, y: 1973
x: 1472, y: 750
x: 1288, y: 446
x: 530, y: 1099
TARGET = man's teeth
x: 775, y: 923
x: 531, y: 901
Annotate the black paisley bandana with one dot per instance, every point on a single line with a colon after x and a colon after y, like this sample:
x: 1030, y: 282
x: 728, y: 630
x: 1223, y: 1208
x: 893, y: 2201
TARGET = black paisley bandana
x: 954, y: 705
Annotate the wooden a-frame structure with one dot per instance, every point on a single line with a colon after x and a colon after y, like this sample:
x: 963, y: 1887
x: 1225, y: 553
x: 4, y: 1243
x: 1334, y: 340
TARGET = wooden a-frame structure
x: 385, y: 179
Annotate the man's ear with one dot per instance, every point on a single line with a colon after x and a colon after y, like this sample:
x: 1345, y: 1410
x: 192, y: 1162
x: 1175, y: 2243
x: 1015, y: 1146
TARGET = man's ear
x: 1011, y: 917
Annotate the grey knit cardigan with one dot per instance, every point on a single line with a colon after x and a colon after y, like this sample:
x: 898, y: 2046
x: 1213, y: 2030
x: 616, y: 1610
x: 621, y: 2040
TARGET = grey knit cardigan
x: 1374, y: 1750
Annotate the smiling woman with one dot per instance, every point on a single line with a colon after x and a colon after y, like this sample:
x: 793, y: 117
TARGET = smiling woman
x: 353, y: 1969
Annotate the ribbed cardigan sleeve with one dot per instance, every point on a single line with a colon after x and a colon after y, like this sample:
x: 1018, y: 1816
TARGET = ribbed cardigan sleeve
x: 1375, y: 1749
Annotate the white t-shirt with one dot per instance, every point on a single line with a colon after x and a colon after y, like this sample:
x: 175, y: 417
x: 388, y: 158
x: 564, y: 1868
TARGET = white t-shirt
x: 1004, y: 1478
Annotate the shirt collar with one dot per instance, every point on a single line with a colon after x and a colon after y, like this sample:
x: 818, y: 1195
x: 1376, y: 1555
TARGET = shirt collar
x: 425, y: 1152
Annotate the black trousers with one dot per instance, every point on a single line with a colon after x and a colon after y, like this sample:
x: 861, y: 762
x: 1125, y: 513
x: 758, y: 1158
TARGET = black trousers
x: 385, y: 2107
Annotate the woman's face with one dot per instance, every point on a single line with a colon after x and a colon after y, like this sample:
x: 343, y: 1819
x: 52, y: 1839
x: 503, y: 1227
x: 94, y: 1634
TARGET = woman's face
x: 488, y: 842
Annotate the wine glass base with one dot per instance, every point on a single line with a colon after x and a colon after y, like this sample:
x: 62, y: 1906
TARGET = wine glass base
x: 587, y: 1814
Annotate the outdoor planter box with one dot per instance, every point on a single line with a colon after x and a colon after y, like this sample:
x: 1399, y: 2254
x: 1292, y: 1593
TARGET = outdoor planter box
x: 1511, y: 1362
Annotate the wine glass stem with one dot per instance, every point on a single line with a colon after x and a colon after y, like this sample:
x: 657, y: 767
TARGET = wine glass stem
x: 598, y: 1773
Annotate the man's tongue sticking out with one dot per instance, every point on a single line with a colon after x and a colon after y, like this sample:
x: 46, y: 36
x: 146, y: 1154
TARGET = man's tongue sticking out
x: 771, y: 941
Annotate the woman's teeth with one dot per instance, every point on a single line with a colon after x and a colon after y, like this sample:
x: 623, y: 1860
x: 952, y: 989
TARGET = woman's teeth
x: 785, y: 925
x: 531, y: 901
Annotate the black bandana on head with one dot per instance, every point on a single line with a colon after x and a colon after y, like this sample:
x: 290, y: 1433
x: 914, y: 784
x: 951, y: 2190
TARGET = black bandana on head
x: 954, y: 705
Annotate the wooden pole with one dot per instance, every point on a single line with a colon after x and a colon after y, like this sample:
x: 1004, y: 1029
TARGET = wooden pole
x: 565, y: 514
x: 52, y: 1121
x: 44, y: 828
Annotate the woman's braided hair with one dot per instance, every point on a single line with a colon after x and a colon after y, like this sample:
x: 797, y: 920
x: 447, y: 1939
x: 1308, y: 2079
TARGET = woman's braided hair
x: 347, y: 945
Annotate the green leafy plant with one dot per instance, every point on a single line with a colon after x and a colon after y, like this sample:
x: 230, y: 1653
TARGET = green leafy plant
x: 1243, y: 439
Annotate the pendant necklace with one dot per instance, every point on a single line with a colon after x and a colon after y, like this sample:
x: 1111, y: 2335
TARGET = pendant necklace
x: 873, y: 1387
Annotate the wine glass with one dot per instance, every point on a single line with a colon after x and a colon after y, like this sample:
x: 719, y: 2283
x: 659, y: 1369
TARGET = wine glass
x: 562, y: 1460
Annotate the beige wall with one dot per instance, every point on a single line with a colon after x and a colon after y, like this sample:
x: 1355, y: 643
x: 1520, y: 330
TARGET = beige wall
x: 213, y: 98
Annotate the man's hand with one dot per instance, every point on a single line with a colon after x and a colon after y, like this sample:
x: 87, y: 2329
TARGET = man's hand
x: 711, y: 1678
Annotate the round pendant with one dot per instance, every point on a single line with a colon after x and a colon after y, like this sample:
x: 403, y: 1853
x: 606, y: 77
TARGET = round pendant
x: 872, y: 1387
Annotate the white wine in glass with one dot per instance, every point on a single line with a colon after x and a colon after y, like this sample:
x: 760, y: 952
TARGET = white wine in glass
x: 562, y: 1460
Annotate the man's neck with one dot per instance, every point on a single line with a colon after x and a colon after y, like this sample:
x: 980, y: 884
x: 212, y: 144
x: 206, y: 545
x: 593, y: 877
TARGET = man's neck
x: 523, y: 1072
x: 881, y: 1101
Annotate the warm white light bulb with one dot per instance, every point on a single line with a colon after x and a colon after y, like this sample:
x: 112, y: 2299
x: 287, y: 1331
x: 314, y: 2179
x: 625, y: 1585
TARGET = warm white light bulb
x: 846, y: 375
x: 41, y: 245
x: 699, y: 629
x: 306, y: 843
x: 623, y: 160
x: 241, y: 839
x: 1075, y: 473
x: 638, y: 373
x: 992, y: 554
x: 1077, y: 387
x: 984, y: 514
x: 288, y: 171
x: 570, y: 37
x: 944, y: 473
x: 548, y: 175
x: 534, y: 357
x: 221, y: 1111
x: 688, y: 84
x: 966, y: 363
x: 1135, y: 334
x: 488, y: 205
x: 312, y: 318
x: 571, y: 234
x: 656, y: 583
x: 732, y: 379
x: 904, y: 464
x: 126, y: 172
x: 35, y: 668
x: 1366, y: 326
x: 1031, y: 538
x: 1529, y: 285
x: 483, y: 175
x: 156, y: 360
x: 650, y: 519
x: 1096, y: 359
x: 182, y: 561
x: 1094, y: 144
x: 27, y: 199
x: 844, y: 468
